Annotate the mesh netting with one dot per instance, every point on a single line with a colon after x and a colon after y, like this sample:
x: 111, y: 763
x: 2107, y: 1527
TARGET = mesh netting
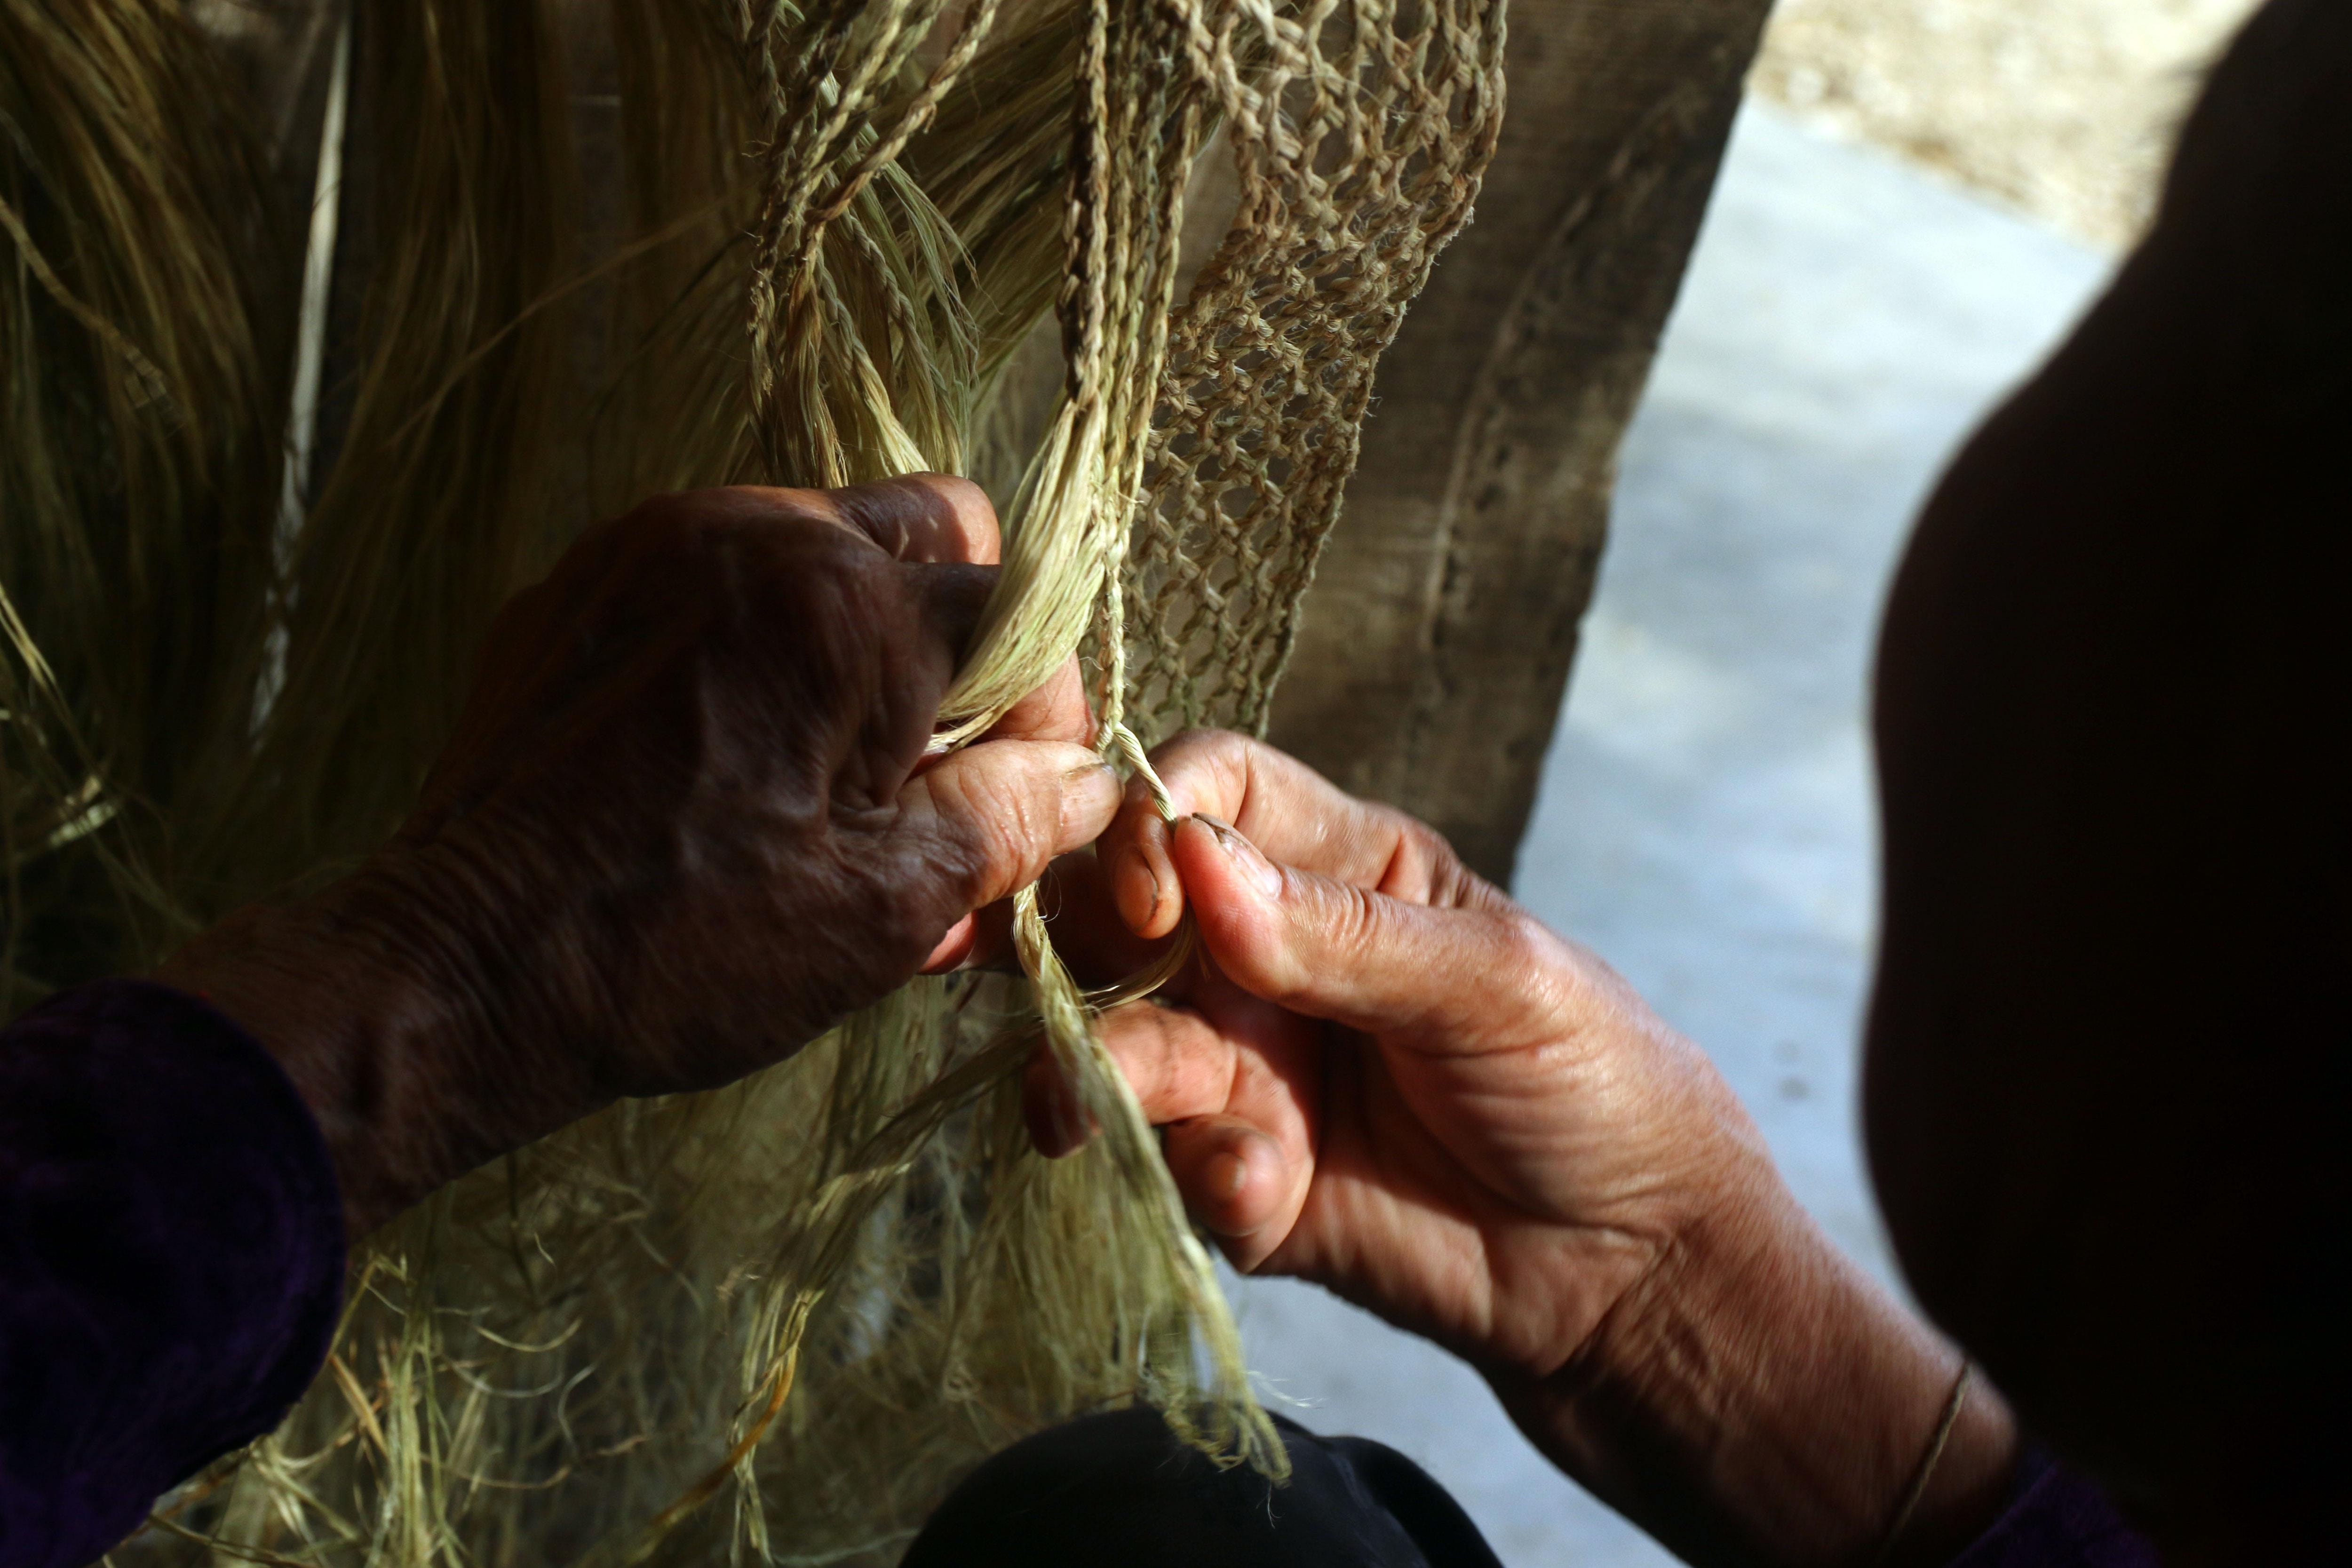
x: 1359, y: 148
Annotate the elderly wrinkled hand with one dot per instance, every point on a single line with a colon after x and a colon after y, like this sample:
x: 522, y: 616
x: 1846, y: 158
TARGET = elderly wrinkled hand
x: 1386, y: 1077
x: 683, y: 826
x: 1392, y: 1078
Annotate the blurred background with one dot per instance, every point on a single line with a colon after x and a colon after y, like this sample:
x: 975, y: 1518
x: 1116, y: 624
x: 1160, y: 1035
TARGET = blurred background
x: 1919, y: 198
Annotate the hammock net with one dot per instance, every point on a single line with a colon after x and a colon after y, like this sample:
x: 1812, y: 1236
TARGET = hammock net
x: 1129, y: 262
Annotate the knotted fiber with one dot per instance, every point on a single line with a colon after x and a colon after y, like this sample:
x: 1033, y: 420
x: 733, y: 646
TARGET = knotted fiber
x: 777, y: 1321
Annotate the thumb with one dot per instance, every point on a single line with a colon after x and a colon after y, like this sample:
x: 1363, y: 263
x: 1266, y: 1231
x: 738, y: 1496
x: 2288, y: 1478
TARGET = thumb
x: 1361, y: 958
x: 1002, y: 810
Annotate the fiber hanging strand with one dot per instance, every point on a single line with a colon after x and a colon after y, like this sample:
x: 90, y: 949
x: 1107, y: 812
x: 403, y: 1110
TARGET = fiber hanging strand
x: 782, y: 1318
x: 1130, y: 153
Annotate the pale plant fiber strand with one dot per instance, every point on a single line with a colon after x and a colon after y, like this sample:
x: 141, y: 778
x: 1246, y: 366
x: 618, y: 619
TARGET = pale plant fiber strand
x: 778, y: 1319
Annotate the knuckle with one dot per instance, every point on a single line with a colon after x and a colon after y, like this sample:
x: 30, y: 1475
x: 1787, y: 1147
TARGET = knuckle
x: 962, y: 500
x: 1530, y: 961
x: 1346, y: 923
x: 1006, y: 829
x: 1521, y: 940
x: 1417, y: 858
x: 815, y: 586
x: 1189, y: 740
x: 1216, y: 757
x: 1149, y: 1057
x: 921, y: 517
x: 1422, y: 866
x: 1448, y: 882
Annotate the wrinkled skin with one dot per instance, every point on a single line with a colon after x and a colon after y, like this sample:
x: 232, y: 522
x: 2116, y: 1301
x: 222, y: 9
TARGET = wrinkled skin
x: 1435, y: 1133
x: 682, y: 827
x: 1386, y: 1077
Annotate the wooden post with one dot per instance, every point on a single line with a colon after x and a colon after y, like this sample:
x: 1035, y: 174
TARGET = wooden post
x: 1436, y: 641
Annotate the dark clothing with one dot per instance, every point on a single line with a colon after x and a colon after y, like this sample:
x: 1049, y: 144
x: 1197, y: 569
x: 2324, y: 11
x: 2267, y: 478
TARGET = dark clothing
x: 1119, y: 1489
x: 2055, y: 1516
x: 171, y: 1258
x: 170, y: 1266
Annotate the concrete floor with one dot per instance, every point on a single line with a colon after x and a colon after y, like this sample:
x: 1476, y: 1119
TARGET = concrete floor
x: 1706, y: 820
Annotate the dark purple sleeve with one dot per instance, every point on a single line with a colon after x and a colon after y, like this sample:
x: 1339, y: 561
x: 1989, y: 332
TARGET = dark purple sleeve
x: 171, y: 1258
x: 2057, y: 1520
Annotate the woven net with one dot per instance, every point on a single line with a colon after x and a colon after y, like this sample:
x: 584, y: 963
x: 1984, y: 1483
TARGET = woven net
x: 778, y: 1319
x: 1359, y: 151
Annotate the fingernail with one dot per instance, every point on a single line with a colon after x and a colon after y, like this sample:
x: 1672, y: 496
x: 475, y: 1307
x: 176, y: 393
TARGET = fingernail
x: 1138, y: 888
x: 1228, y: 1172
x: 1243, y: 854
x: 1090, y: 795
x: 1225, y: 1175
